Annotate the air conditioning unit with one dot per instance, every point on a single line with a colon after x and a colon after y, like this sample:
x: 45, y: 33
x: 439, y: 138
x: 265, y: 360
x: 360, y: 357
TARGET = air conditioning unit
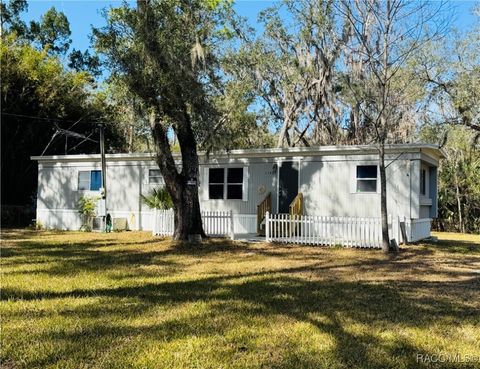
x: 98, y: 224
x: 120, y: 224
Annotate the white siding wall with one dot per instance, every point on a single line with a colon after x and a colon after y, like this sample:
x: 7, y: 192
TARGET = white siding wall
x: 58, y: 195
x: 327, y: 183
x: 328, y: 186
x: 424, y: 211
x: 415, y: 189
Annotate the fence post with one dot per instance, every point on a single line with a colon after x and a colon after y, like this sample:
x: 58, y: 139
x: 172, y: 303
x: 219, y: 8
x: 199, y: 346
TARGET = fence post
x: 267, y: 226
x: 232, y: 231
x: 408, y: 227
x: 155, y: 226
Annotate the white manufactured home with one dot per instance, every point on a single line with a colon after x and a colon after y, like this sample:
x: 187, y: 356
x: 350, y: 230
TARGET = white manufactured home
x: 329, y: 182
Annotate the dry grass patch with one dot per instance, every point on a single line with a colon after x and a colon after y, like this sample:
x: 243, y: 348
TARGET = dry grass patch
x: 128, y: 300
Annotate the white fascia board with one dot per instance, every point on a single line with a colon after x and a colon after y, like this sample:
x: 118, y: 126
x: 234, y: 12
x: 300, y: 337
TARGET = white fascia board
x: 262, y: 153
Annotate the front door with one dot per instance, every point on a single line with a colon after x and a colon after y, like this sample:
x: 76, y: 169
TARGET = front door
x: 287, y: 185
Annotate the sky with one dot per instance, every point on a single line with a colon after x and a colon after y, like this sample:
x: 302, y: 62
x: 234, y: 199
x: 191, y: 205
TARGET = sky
x: 82, y: 15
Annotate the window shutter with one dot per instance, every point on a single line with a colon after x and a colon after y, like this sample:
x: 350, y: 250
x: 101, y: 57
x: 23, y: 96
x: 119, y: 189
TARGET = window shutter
x: 245, y: 184
x: 204, y: 184
x: 95, y: 180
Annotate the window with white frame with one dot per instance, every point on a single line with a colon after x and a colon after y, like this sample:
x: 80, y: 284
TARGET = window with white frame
x: 366, y: 178
x: 234, y: 183
x: 225, y: 183
x: 89, y: 180
x: 216, y: 183
x: 155, y: 176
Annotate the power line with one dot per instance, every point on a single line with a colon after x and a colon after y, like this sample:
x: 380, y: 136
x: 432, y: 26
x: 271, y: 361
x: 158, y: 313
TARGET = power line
x: 74, y: 134
x: 37, y: 117
x: 47, y: 120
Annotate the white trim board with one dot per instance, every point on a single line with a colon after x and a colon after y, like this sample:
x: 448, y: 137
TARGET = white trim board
x: 276, y: 152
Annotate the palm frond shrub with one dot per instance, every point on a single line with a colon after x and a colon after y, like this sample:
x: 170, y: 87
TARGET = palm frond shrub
x: 87, y: 206
x: 158, y: 198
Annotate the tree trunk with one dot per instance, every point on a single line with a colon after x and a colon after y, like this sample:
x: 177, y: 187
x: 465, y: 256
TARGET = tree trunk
x: 186, y: 206
x: 283, y: 131
x: 383, y: 200
x: 188, y: 219
x: 188, y: 216
x: 459, y: 203
x: 130, y: 139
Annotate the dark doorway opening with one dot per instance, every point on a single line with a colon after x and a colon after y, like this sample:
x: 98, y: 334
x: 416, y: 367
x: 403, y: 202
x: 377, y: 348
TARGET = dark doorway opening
x: 288, y: 185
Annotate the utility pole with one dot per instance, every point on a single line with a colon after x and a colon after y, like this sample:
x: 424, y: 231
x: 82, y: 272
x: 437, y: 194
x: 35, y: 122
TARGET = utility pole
x: 104, y: 172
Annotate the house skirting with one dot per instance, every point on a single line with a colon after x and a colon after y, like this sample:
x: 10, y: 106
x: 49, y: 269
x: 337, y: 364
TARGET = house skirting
x: 70, y: 219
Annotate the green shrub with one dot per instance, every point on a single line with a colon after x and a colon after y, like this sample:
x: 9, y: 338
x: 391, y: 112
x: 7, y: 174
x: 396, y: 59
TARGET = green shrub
x: 36, y: 225
x: 87, y: 206
x: 158, y: 198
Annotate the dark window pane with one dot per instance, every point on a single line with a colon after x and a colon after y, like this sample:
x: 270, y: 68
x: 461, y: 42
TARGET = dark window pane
x: 235, y: 175
x: 216, y: 175
x: 234, y: 192
x: 95, y: 180
x: 155, y: 176
x: 423, y: 182
x: 367, y: 171
x: 155, y: 180
x: 367, y: 185
x: 215, y: 191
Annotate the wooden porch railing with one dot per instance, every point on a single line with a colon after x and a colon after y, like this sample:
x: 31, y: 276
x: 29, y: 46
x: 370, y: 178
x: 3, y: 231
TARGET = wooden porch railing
x: 262, y: 208
x: 296, y: 207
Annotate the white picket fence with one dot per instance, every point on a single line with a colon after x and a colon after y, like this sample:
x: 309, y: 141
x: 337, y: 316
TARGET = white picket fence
x: 330, y: 231
x: 163, y: 222
x: 304, y: 229
x: 218, y: 223
x: 215, y: 223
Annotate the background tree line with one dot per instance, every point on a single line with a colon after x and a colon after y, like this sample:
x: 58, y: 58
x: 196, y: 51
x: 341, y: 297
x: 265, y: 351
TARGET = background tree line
x: 345, y: 72
x: 319, y: 73
x: 49, y: 103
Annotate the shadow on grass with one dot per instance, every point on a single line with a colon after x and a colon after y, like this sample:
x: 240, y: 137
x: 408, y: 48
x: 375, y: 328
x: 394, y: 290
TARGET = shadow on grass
x: 96, y: 253
x: 313, y: 294
x: 454, y: 246
x: 92, y: 251
x: 326, y: 305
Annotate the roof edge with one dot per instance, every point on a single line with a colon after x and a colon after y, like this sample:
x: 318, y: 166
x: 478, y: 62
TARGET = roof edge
x: 269, y: 152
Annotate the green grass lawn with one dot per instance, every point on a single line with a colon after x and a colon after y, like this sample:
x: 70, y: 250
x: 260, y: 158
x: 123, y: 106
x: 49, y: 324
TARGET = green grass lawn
x: 128, y: 300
